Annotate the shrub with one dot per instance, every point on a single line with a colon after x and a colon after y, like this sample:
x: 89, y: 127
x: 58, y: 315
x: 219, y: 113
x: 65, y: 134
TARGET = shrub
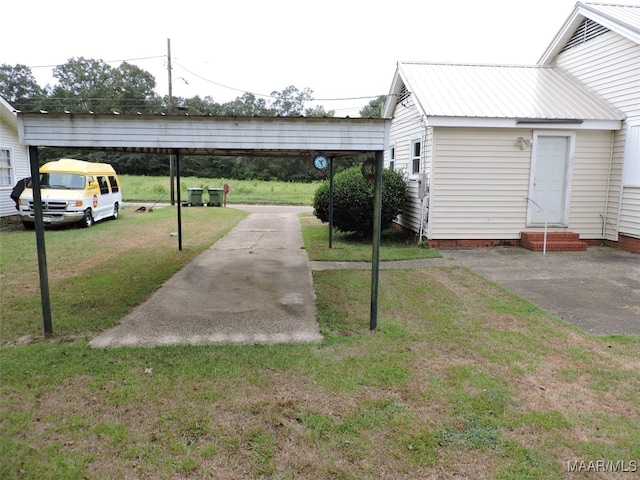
x: 353, y: 200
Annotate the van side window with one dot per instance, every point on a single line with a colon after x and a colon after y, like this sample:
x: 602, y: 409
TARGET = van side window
x: 113, y: 183
x: 104, y: 188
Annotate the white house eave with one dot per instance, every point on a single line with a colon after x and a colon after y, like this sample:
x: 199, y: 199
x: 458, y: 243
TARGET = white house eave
x: 549, y: 124
x: 392, y: 98
x: 8, y: 114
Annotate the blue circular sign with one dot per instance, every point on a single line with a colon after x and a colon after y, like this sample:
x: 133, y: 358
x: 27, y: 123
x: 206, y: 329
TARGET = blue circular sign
x: 320, y: 163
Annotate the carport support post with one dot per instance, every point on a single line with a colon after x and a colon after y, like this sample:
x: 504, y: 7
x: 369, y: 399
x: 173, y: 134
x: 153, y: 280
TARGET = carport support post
x: 331, y: 202
x: 177, y: 157
x: 42, y: 253
x: 377, y: 221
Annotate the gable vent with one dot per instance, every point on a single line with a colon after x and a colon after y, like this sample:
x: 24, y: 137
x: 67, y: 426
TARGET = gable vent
x: 404, y: 95
x: 588, y: 30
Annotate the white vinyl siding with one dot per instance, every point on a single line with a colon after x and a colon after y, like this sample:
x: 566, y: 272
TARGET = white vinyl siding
x: 589, y: 187
x: 481, y: 179
x: 630, y: 212
x: 631, y: 176
x: 19, y: 167
x: 608, y: 65
x: 406, y: 125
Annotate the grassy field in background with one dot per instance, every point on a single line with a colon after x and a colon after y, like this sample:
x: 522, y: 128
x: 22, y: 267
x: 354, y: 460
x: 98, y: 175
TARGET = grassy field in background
x: 462, y: 379
x: 151, y: 189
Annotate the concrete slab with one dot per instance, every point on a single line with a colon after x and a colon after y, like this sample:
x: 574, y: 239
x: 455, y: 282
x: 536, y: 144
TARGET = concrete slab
x: 597, y: 290
x: 252, y: 286
x: 255, y: 286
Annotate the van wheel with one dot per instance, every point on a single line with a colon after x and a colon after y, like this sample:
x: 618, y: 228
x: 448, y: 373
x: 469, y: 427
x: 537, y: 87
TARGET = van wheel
x: 87, y: 220
x: 29, y: 225
x: 116, y: 211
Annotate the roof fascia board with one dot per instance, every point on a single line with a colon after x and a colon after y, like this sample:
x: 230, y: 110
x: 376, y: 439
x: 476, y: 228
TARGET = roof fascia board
x: 581, y: 12
x: 474, y: 122
x: 392, y: 97
x: 8, y: 114
x: 561, y: 37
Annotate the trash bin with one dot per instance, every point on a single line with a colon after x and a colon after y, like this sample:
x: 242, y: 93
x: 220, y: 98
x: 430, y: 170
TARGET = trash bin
x: 195, y: 196
x: 216, y: 197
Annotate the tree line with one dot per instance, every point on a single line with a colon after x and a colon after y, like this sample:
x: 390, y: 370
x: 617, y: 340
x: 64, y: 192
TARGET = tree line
x: 89, y: 85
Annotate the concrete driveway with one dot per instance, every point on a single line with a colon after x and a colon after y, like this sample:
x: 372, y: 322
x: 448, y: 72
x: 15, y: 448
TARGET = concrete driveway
x: 252, y: 286
x: 255, y: 286
x: 597, y: 290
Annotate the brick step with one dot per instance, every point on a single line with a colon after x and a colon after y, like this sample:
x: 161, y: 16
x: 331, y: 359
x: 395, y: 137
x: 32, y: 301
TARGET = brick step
x: 556, y: 246
x: 556, y: 242
x: 554, y: 236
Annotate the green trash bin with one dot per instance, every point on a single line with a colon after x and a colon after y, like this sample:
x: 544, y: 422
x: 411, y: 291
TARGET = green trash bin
x: 195, y: 196
x: 216, y: 197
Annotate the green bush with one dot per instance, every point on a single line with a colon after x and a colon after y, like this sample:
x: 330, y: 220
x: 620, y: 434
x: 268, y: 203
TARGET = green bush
x: 353, y: 200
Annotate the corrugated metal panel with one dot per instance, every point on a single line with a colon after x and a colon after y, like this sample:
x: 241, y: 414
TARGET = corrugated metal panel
x: 501, y: 91
x: 205, y: 135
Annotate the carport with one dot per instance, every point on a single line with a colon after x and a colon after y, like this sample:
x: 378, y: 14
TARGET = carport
x: 202, y: 135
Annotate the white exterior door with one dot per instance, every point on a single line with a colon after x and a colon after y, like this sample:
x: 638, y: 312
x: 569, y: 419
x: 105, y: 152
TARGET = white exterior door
x: 550, y: 179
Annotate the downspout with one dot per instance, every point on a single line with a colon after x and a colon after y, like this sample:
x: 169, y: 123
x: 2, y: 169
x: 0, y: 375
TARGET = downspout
x: 606, y: 198
x: 423, y: 173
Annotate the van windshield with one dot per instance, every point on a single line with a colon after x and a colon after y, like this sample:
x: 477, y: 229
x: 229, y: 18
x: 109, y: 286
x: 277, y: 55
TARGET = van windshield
x: 68, y: 181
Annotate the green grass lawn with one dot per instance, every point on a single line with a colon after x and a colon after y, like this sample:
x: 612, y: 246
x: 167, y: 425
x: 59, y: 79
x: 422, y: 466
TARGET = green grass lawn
x: 346, y: 247
x: 462, y: 379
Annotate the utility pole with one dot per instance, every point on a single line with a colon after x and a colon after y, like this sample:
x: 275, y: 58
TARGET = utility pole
x: 171, y: 157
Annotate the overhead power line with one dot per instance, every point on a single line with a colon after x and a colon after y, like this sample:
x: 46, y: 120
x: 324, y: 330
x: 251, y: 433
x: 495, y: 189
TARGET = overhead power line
x: 264, y: 94
x: 105, y: 61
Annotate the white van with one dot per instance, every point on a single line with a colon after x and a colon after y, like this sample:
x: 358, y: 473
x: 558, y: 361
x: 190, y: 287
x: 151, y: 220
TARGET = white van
x: 73, y: 191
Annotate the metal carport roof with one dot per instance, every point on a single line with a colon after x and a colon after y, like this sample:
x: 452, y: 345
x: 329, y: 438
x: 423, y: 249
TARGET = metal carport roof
x: 198, y: 135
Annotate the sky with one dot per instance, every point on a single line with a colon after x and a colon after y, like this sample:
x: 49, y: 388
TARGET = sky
x: 345, y: 51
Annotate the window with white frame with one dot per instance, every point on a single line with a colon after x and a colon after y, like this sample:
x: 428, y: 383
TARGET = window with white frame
x: 416, y: 146
x: 631, y: 170
x: 5, y: 168
x: 392, y: 157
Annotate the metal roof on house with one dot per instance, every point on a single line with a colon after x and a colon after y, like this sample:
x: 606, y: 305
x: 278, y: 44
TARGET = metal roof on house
x: 500, y: 92
x: 625, y: 15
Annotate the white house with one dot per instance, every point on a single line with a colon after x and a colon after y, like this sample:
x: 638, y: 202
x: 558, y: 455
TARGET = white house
x: 14, y: 158
x: 495, y: 154
x: 599, y: 45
